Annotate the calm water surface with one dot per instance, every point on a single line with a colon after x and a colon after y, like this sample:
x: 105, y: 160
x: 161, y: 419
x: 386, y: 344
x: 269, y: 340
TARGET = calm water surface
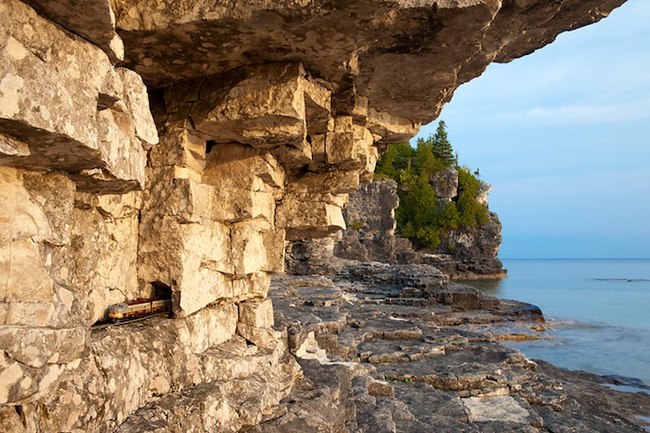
x: 599, y: 311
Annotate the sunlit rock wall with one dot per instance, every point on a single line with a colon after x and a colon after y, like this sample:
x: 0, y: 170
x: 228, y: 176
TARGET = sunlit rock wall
x: 231, y: 180
x: 74, y: 132
x: 176, y: 146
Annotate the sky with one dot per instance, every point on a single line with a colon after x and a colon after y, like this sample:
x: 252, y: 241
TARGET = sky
x: 563, y: 137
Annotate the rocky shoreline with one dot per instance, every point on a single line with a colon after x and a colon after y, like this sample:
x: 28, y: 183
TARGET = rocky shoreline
x: 400, y: 348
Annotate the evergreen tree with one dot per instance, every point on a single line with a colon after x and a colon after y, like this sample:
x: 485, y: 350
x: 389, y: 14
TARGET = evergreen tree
x: 442, y: 149
x: 386, y: 164
x: 396, y: 158
x: 425, y: 161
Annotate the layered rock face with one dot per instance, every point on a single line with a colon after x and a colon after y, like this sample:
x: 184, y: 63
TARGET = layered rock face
x: 370, y: 235
x: 396, y: 348
x: 473, y: 252
x: 172, y: 147
x: 371, y: 224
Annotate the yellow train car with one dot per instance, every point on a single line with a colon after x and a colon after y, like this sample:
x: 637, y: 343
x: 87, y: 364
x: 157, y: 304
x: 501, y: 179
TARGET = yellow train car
x: 138, y: 308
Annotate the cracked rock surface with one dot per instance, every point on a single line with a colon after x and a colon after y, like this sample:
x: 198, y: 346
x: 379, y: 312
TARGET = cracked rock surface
x: 398, y: 59
x: 379, y: 357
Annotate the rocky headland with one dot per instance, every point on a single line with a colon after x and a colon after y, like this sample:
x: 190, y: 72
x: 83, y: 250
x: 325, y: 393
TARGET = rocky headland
x: 370, y: 235
x: 171, y: 148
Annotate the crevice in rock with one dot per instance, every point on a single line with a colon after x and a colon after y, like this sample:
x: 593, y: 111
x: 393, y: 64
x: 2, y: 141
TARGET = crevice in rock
x: 21, y: 414
x: 209, y: 145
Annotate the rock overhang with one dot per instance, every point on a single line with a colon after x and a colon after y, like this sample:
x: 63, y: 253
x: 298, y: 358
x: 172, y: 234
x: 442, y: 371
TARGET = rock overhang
x: 398, y: 58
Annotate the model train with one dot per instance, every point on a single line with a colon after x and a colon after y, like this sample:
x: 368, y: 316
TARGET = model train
x: 138, y: 308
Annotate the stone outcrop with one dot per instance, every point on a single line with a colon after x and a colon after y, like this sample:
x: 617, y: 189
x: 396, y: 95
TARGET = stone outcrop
x: 313, y: 256
x: 370, y: 218
x: 374, y: 54
x: 473, y: 252
x: 370, y: 234
x: 466, y: 252
x: 66, y: 107
x: 171, y: 148
x: 157, y: 362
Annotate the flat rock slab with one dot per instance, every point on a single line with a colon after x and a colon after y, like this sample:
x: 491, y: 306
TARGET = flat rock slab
x: 500, y: 408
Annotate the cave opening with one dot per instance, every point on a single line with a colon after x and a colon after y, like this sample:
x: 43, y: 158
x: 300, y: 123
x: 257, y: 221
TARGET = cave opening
x: 209, y: 145
x: 161, y: 290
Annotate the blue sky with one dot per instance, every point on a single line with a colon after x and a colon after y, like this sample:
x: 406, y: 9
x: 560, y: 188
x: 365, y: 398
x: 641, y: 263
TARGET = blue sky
x: 563, y: 136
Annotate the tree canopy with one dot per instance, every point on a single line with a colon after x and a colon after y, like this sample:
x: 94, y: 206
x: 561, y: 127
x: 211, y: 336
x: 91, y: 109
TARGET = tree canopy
x: 422, y: 216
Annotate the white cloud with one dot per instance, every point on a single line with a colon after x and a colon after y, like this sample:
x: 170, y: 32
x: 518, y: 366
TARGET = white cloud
x: 582, y: 113
x: 589, y: 112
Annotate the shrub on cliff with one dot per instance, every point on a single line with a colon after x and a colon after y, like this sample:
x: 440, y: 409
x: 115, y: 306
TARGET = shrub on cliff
x: 396, y: 158
x: 471, y: 212
x: 422, y: 216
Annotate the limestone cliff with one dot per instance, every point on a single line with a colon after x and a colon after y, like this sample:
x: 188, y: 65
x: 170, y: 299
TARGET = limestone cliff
x: 465, y: 252
x: 370, y: 220
x: 173, y: 146
x: 370, y: 235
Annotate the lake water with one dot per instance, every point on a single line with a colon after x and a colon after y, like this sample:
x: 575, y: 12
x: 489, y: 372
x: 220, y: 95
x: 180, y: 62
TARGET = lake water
x: 598, y: 311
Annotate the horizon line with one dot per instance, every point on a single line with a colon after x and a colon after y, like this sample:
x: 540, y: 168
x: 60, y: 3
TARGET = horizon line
x: 575, y: 258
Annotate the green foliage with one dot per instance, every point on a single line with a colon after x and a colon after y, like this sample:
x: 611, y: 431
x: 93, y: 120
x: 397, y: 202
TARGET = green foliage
x: 356, y: 225
x: 472, y: 213
x: 418, y: 210
x: 421, y: 216
x: 442, y: 147
x: 397, y: 157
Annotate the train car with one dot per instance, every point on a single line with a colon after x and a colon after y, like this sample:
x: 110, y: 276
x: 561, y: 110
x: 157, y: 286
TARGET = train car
x: 138, y: 308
